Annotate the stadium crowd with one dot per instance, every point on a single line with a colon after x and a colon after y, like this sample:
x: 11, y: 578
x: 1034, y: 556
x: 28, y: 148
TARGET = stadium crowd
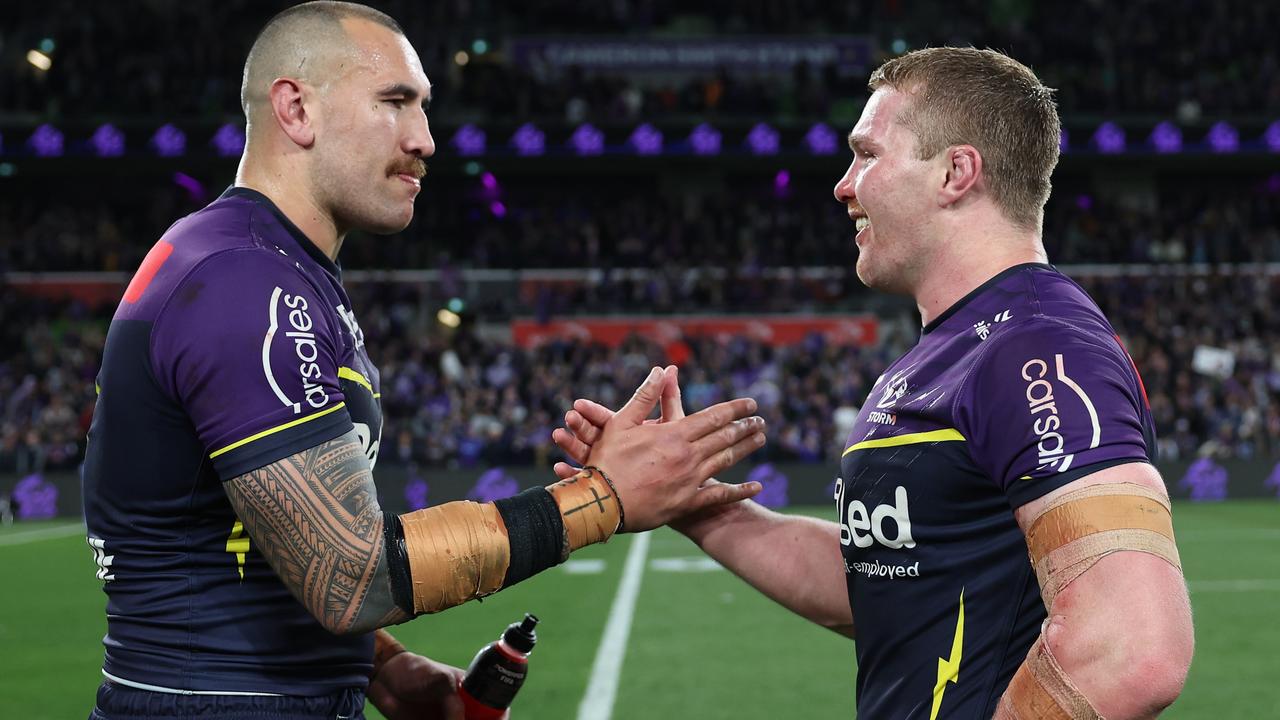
x: 1179, y: 58
x: 455, y: 399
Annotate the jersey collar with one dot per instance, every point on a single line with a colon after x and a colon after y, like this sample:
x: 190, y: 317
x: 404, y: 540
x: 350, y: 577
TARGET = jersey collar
x: 957, y: 305
x: 295, y: 232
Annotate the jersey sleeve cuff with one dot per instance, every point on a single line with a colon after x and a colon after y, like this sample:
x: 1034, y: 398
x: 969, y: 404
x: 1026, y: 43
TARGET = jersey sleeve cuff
x: 1024, y: 491
x: 268, y: 446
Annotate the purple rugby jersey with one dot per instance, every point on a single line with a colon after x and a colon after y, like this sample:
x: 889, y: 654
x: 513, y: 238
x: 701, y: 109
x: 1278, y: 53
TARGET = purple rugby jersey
x: 1016, y: 390
x: 235, y: 346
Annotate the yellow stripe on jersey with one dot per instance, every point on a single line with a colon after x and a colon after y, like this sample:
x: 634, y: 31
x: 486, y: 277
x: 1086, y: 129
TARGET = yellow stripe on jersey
x: 238, y: 543
x: 355, y: 376
x: 276, y: 429
x: 944, y: 435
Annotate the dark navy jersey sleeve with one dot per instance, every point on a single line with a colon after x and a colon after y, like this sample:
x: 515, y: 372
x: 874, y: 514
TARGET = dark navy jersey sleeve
x: 1048, y: 403
x: 248, y: 349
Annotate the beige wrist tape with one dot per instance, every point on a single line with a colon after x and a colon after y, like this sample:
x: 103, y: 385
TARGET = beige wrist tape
x: 457, y: 552
x: 590, y: 507
x: 1080, y: 528
x: 1040, y: 690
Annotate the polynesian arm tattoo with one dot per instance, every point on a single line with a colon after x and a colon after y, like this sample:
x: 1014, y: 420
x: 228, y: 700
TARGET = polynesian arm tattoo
x: 315, y: 517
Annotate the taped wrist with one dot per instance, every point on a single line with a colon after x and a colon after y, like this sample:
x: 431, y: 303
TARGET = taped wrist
x: 1080, y: 528
x: 536, y: 532
x: 443, y: 556
x: 1040, y: 690
x: 590, y: 507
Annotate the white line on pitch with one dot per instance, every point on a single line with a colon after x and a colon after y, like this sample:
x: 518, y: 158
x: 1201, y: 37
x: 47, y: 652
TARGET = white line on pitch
x: 28, y: 536
x: 602, y: 688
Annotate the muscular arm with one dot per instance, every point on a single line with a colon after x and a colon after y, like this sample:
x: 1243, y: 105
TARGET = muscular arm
x: 793, y: 560
x: 315, y: 517
x: 1121, y: 631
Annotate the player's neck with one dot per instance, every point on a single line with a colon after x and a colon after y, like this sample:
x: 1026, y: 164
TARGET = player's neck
x: 300, y: 207
x: 965, y: 264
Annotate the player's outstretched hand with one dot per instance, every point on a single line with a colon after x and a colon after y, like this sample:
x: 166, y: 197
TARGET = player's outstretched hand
x: 412, y: 687
x: 662, y: 469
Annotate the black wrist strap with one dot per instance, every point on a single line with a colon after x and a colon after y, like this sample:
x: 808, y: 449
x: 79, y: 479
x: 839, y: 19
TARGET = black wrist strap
x: 536, y: 532
x: 398, y: 562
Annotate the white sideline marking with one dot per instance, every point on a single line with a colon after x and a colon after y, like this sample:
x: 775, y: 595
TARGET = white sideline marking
x: 1235, y: 585
x: 685, y: 564
x: 602, y: 688
x: 29, y: 536
x: 589, y: 566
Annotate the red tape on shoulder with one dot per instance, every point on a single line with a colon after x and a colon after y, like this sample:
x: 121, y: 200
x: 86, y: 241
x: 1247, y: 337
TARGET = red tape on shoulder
x: 147, y: 271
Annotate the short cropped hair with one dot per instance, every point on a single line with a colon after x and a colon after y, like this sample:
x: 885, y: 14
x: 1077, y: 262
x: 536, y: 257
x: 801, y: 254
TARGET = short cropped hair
x: 983, y: 98
x: 300, y: 34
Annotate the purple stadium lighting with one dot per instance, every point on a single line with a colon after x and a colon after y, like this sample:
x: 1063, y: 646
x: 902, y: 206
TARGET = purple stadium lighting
x: 587, y: 140
x: 529, y: 140
x: 498, y: 209
x: 763, y: 140
x: 1166, y: 138
x: 1109, y: 138
x: 108, y: 141
x: 1272, y: 137
x: 782, y: 183
x: 169, y: 141
x: 469, y: 140
x: 194, y: 188
x: 705, y: 140
x: 228, y: 141
x: 1223, y: 138
x: 489, y: 181
x: 647, y: 140
x: 1084, y: 202
x: 821, y: 140
x: 46, y: 141
x: 1064, y: 140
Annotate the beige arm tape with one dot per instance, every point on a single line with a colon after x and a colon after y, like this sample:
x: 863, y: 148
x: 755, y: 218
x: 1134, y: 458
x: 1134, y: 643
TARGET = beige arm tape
x: 1067, y: 538
x: 460, y: 551
x: 457, y: 552
x: 1082, y: 527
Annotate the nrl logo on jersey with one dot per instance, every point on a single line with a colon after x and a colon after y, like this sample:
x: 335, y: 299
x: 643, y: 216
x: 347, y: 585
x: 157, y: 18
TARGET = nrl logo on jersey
x: 983, y: 328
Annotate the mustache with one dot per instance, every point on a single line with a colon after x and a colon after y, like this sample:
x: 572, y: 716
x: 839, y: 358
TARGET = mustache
x: 415, y: 168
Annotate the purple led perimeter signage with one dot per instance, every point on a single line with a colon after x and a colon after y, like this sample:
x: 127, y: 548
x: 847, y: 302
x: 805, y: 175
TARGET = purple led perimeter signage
x: 1109, y: 138
x: 821, y: 139
x: 1166, y: 138
x: 1272, y: 137
x: 529, y: 140
x: 705, y: 140
x: 469, y: 140
x: 647, y: 140
x: 108, y: 141
x: 46, y: 141
x: 763, y: 140
x: 587, y: 140
x: 1223, y: 138
x: 229, y: 140
x: 169, y: 141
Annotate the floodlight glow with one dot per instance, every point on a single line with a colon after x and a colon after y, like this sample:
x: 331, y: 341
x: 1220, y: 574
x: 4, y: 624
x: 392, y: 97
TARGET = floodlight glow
x: 229, y: 140
x: 1272, y: 137
x: 46, y: 141
x: 39, y: 60
x: 1223, y: 138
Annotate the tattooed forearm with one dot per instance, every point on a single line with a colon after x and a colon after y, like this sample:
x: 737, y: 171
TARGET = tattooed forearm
x: 315, y: 517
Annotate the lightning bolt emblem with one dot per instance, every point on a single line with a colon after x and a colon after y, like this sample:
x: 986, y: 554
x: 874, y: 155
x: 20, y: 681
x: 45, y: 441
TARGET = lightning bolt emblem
x: 949, y: 670
x: 238, y: 543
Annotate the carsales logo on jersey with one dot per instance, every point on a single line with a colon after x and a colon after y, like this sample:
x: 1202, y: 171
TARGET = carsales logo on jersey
x: 1046, y: 418
x: 303, y: 341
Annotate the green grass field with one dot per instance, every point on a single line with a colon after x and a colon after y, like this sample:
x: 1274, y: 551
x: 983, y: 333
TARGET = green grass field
x: 702, y: 644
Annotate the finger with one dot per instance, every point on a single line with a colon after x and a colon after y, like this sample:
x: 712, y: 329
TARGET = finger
x: 724, y: 459
x: 586, y: 432
x: 643, y: 402
x: 727, y: 436
x: 672, y: 408
x: 717, y: 416
x: 564, y: 470
x: 571, y: 445
x: 713, y: 492
x: 592, y: 411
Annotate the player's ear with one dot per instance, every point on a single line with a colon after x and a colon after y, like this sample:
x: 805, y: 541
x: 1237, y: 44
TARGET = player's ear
x: 290, y: 111
x: 964, y: 170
